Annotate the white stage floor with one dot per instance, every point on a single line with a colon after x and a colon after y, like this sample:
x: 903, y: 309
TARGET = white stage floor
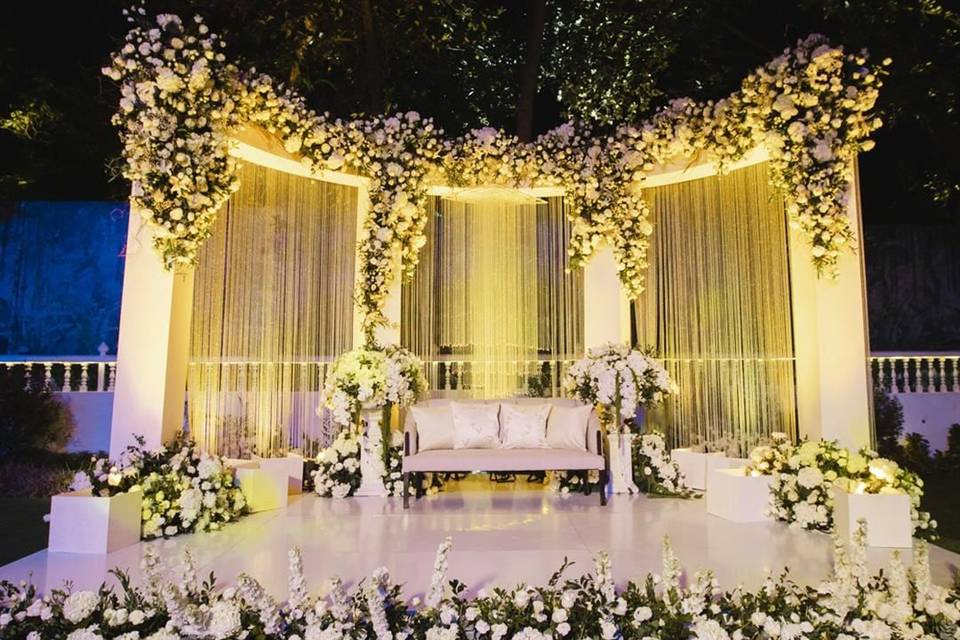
x: 501, y: 536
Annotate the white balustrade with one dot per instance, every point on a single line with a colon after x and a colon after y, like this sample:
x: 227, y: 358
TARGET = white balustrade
x: 915, y: 372
x: 68, y: 374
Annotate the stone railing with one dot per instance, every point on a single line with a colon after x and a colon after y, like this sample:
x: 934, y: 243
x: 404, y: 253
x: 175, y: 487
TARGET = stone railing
x: 67, y: 374
x: 916, y: 372
x: 896, y: 372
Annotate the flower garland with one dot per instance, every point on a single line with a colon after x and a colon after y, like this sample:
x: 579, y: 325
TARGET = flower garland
x: 851, y: 603
x: 803, y: 475
x: 184, y: 489
x: 810, y: 108
x: 617, y: 380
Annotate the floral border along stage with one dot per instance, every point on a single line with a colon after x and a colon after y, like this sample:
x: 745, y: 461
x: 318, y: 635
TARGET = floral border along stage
x: 811, y: 108
x: 851, y: 604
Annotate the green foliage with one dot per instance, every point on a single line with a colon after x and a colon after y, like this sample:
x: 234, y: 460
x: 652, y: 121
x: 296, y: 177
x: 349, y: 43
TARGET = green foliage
x: 31, y: 418
x: 887, y: 422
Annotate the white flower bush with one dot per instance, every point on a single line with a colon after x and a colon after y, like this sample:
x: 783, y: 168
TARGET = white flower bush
x: 617, y: 380
x: 811, y: 108
x: 338, y: 470
x: 183, y: 488
x: 851, y: 604
x: 654, y: 471
x: 338, y: 467
x: 804, y: 474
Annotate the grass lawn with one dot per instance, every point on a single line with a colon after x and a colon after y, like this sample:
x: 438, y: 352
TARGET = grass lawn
x: 23, y: 530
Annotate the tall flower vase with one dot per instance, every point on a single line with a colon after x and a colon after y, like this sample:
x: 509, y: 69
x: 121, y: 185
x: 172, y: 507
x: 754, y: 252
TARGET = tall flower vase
x: 620, y: 449
x: 371, y: 455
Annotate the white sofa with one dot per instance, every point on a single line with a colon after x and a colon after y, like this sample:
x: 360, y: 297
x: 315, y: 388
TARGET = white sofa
x: 500, y: 459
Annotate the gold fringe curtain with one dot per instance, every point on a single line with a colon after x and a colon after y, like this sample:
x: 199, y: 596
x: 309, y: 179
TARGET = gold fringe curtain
x: 273, y: 304
x: 717, y: 308
x: 491, y: 309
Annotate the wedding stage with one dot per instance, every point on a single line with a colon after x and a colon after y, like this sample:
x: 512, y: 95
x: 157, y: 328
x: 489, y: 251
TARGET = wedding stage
x: 502, y: 535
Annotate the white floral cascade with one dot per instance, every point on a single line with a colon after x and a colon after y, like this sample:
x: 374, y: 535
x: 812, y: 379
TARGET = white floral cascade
x: 617, y: 380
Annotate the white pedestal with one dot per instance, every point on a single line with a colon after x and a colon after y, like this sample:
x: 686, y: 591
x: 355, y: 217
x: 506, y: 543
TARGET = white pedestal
x: 717, y: 461
x: 738, y: 497
x: 264, y: 488
x: 292, y: 465
x: 371, y: 458
x: 887, y: 517
x: 620, y: 448
x: 693, y: 466
x: 82, y: 523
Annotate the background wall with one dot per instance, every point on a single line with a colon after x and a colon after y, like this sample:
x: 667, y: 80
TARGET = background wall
x: 61, y: 270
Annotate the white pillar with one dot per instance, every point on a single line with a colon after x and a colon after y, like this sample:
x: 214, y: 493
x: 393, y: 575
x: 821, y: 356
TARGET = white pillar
x: 153, y: 347
x: 606, y: 309
x: 389, y: 334
x: 831, y: 342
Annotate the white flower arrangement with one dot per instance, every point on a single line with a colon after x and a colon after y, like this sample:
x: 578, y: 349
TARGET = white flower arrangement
x: 183, y: 489
x: 617, y: 380
x: 851, y: 604
x: 811, y: 108
x: 803, y: 475
x: 372, y: 378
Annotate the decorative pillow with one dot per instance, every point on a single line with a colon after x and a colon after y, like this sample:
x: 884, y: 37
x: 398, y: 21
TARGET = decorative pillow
x: 434, y: 427
x: 567, y: 427
x: 523, y: 426
x: 475, y: 426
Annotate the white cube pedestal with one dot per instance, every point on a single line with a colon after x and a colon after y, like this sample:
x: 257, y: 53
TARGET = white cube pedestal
x: 887, y: 517
x: 263, y: 488
x: 717, y: 461
x: 693, y: 466
x: 735, y: 496
x: 82, y: 523
x: 290, y: 464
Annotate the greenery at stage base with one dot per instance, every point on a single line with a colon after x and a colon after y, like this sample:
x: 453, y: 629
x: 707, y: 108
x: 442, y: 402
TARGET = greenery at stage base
x: 174, y: 602
x: 184, y: 489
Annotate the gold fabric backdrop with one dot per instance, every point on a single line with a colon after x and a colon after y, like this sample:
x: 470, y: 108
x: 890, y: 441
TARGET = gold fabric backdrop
x: 717, y: 308
x: 491, y: 309
x: 273, y: 303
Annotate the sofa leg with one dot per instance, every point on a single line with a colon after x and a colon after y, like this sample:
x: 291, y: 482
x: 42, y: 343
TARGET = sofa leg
x: 406, y: 491
x: 603, y: 488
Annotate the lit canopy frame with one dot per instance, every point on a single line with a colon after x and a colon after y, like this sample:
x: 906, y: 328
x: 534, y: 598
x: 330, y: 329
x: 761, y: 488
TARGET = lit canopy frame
x: 188, y: 116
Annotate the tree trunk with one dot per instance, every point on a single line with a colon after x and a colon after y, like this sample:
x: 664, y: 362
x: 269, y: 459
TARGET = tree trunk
x: 372, y: 58
x: 531, y: 69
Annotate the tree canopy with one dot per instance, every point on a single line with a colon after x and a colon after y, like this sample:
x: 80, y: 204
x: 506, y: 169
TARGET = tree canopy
x: 521, y: 66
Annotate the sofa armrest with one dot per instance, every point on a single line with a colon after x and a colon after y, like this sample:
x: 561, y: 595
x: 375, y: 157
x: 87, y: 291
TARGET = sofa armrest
x: 410, y: 440
x: 594, y: 433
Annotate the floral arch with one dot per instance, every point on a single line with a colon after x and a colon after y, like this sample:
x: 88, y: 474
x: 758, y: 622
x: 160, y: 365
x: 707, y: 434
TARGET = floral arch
x: 810, y: 111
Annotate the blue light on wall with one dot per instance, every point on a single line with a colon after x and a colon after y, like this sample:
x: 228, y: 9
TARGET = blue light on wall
x: 61, y: 276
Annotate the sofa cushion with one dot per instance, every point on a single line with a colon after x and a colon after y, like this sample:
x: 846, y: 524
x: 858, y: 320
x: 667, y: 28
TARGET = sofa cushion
x: 523, y: 427
x: 466, y: 460
x: 567, y: 427
x: 475, y: 426
x: 434, y: 427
